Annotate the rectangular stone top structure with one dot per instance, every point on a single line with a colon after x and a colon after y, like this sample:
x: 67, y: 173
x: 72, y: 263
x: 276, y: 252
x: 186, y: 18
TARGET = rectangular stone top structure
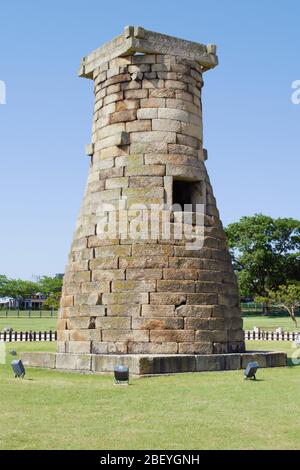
x: 136, y: 39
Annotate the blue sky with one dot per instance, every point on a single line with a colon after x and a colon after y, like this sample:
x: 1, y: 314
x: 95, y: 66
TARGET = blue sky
x: 251, y: 127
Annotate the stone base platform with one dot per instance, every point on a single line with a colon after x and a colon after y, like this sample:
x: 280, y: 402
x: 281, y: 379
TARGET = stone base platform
x: 152, y: 364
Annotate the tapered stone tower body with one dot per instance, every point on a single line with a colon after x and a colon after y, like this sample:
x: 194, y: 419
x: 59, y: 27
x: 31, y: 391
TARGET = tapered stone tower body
x: 149, y: 294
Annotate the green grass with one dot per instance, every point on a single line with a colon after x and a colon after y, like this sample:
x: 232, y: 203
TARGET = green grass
x: 269, y: 322
x: 209, y: 410
x: 27, y: 324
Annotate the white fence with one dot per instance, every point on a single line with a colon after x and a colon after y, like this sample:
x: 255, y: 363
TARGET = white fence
x: 261, y: 335
x: 264, y: 335
x: 12, y: 336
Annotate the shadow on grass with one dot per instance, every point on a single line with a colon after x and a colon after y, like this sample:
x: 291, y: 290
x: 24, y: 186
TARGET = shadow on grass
x: 256, y: 380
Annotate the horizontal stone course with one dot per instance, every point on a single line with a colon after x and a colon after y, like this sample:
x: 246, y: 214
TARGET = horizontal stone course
x: 148, y: 363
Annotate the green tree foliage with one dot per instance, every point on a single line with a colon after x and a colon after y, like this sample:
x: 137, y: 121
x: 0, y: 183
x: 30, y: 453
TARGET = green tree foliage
x: 16, y: 288
x: 49, y: 285
x: 20, y: 289
x: 266, y: 253
x: 52, y: 301
x: 287, y: 297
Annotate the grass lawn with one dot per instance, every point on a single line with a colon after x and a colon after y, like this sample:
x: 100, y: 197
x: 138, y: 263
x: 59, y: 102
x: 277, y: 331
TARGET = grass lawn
x: 27, y: 324
x: 269, y: 322
x: 208, y: 410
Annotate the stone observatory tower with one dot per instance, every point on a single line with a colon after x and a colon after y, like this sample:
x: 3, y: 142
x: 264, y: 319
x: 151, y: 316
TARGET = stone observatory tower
x: 146, y: 294
x: 149, y: 282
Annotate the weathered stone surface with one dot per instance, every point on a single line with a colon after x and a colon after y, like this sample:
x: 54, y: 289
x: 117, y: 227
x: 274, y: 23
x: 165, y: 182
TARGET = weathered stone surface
x: 166, y: 125
x: 157, y: 323
x: 178, y: 336
x: 101, y: 363
x: 144, y: 273
x: 125, y: 335
x: 210, y: 363
x: 147, y: 362
x: 80, y: 362
x: 123, y: 116
x: 175, y: 286
x: 153, y: 103
x: 112, y: 183
x: 39, y: 359
x: 78, y: 323
x: 129, y: 105
x: 176, y: 274
x: 198, y: 311
x: 136, y: 94
x: 138, y: 126
x: 152, y: 348
x: 109, y: 275
x: 144, y: 262
x: 153, y: 136
x: 147, y: 113
x: 125, y: 298
x: 124, y: 310
x: 158, y: 310
x: 79, y: 347
x: 144, y: 295
x: 85, y: 335
x: 167, y: 298
x: 134, y: 285
x: 113, y: 322
x: 145, y: 170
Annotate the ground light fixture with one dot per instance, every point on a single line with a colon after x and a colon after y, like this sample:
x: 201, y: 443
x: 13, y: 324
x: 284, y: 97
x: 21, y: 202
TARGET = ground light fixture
x: 250, y: 371
x: 18, y: 368
x: 121, y: 375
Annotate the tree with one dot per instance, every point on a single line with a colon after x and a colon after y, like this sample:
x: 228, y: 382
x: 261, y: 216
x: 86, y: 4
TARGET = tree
x: 266, y: 253
x: 287, y: 297
x: 16, y: 288
x: 51, y: 287
x: 19, y: 289
x: 48, y: 285
x: 52, y: 301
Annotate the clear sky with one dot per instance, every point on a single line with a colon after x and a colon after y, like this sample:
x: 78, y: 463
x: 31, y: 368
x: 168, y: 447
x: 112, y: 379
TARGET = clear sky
x: 251, y: 127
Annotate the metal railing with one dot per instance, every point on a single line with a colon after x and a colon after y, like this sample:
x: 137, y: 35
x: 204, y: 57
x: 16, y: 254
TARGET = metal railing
x: 19, y: 313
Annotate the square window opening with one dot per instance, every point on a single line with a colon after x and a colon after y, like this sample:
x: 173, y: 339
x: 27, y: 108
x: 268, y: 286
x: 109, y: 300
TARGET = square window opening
x: 187, y: 192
